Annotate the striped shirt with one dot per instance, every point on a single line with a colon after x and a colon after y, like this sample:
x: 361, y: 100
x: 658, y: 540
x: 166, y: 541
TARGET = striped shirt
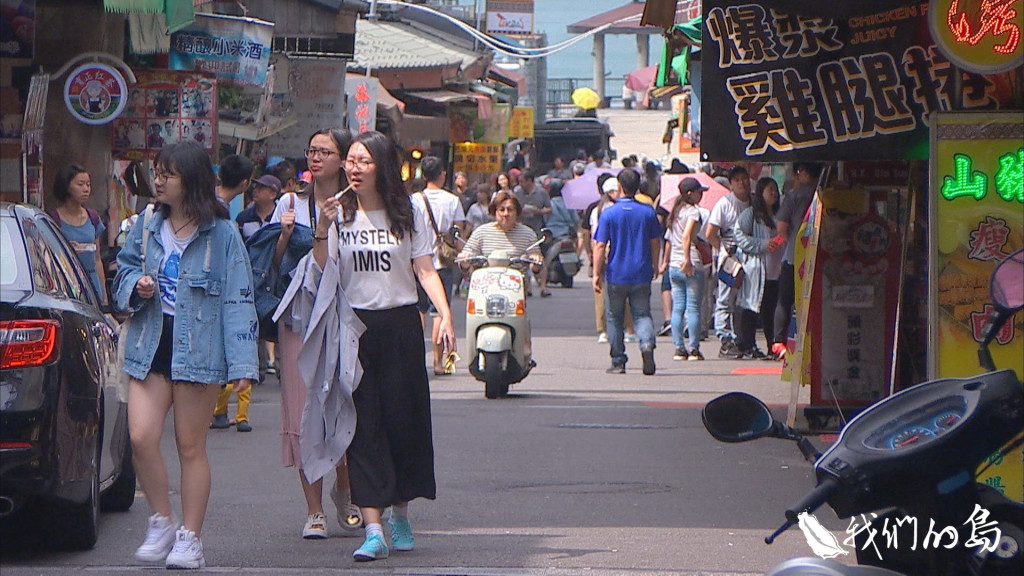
x: 488, y: 238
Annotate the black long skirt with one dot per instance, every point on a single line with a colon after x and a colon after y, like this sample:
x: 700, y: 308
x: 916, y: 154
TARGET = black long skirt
x: 391, y: 458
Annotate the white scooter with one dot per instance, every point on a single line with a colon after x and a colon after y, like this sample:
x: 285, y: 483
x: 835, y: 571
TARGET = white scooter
x: 497, y: 326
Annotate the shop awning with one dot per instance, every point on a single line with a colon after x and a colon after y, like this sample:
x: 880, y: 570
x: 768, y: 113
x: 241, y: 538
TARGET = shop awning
x: 440, y: 96
x: 417, y: 129
x: 509, y: 78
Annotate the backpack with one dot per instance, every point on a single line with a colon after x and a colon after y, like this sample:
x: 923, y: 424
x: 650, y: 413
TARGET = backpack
x: 94, y: 217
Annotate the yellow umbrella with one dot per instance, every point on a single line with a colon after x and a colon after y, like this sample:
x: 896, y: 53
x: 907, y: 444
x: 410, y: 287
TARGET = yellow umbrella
x: 585, y: 98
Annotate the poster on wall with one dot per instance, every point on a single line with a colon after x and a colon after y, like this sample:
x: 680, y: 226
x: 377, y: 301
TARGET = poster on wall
x: 313, y: 91
x: 235, y: 49
x: 784, y: 87
x: 17, y: 28
x: 165, y: 107
x: 976, y: 220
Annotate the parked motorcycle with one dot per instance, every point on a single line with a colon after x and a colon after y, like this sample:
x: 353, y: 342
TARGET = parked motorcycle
x: 497, y: 325
x: 563, y: 261
x: 905, y: 468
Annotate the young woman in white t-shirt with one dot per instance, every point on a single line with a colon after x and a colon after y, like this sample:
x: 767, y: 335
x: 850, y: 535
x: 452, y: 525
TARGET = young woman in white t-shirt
x: 385, y: 243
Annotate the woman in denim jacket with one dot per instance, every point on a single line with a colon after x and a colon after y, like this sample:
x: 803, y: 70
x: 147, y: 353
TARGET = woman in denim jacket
x: 193, y: 328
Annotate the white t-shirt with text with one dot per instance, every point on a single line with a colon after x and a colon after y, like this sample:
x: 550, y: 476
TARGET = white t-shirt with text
x: 168, y: 276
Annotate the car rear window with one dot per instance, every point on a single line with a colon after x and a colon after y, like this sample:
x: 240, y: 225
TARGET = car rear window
x: 14, y: 271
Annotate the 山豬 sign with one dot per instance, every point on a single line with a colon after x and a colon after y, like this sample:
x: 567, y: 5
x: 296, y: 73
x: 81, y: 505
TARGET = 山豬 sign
x: 983, y: 37
x: 95, y: 93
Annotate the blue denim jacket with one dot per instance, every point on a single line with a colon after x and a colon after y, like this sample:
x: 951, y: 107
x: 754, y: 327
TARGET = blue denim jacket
x: 215, y: 326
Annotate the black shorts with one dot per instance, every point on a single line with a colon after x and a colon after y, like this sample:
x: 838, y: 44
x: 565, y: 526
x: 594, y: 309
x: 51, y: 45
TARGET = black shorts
x: 162, y: 358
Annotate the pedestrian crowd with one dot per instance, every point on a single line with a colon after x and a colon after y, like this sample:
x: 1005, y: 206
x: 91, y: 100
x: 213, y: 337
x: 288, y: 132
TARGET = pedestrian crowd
x: 328, y: 276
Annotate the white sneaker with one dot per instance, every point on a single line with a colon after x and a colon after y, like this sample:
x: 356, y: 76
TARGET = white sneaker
x: 187, y: 553
x: 316, y: 527
x: 159, y: 540
x: 349, y: 517
x: 602, y: 338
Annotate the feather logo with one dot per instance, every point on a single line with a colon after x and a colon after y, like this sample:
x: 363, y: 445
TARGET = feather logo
x: 821, y: 541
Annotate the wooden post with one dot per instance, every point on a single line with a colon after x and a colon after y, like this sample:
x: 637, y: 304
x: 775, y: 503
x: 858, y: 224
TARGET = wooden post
x: 599, y: 66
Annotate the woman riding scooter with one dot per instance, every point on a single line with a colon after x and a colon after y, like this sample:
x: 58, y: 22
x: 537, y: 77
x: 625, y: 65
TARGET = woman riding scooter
x: 562, y: 222
x: 505, y: 233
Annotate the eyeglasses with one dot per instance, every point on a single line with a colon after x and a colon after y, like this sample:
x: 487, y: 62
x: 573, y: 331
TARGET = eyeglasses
x: 361, y: 164
x: 321, y: 152
x: 161, y: 176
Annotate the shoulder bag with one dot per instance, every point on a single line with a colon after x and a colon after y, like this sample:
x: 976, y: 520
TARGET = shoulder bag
x: 122, y: 377
x: 444, y: 244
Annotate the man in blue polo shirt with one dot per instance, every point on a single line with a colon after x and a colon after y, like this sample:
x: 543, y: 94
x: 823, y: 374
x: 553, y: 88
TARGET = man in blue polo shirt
x: 626, y: 244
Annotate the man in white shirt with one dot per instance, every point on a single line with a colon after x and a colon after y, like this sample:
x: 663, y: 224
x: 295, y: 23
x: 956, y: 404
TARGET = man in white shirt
x: 447, y: 210
x: 719, y: 232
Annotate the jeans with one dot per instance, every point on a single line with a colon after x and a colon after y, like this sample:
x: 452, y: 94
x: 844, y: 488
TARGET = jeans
x: 687, y: 296
x: 639, y: 296
x: 784, y: 308
x: 724, y: 303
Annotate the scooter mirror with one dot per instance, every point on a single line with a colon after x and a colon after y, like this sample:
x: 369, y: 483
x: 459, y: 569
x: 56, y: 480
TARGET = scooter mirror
x: 737, y: 417
x: 454, y: 232
x: 1007, y: 285
x: 546, y: 234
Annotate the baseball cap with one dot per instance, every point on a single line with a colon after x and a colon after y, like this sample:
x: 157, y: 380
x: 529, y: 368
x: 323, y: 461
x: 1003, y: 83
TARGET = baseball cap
x: 270, y: 182
x: 691, y: 185
x: 610, y: 185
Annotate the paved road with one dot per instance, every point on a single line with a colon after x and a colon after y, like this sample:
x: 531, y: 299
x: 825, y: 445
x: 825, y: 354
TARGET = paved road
x: 577, y: 472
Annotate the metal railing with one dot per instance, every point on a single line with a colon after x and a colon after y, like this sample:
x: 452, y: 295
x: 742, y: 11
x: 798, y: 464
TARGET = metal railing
x: 559, y: 94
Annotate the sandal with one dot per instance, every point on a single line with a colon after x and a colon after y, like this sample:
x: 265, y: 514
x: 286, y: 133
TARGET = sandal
x: 545, y: 293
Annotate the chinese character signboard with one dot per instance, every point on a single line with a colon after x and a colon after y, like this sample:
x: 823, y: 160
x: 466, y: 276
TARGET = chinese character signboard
x: 165, y: 107
x: 976, y: 219
x: 521, y: 123
x: 95, y: 93
x: 982, y: 37
x: 473, y: 157
x: 236, y: 49
x: 314, y: 92
x: 362, y: 103
x: 807, y: 88
x: 510, y: 16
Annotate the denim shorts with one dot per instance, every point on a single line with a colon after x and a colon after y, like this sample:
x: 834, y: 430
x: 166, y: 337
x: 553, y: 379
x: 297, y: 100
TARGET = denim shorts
x: 162, y: 358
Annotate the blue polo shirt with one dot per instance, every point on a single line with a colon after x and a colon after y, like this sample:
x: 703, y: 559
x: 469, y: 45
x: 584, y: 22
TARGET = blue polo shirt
x: 628, y: 227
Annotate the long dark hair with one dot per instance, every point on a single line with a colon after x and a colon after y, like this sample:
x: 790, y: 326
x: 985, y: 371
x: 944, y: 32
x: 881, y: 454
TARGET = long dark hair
x: 389, y: 184
x: 343, y: 140
x: 762, y: 213
x: 191, y: 163
x: 682, y: 199
x: 62, y: 181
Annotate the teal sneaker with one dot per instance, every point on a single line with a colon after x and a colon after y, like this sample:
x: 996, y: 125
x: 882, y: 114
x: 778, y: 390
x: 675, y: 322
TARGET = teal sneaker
x: 401, y: 533
x: 373, y: 548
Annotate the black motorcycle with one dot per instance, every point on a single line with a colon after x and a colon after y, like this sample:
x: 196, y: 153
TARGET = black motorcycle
x: 904, y: 469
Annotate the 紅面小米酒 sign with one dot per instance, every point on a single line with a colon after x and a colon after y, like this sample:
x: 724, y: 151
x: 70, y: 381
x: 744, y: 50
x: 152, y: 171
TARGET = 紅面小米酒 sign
x: 976, y: 220
x: 510, y: 16
x: 362, y: 103
x: 474, y: 157
x: 236, y: 49
x: 785, y: 87
x: 95, y: 93
x: 982, y: 37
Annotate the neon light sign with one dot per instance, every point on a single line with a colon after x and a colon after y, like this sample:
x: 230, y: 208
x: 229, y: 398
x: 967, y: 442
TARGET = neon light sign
x: 965, y: 181
x: 982, y: 36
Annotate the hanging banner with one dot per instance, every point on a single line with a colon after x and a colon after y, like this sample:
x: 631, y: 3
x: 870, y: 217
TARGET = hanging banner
x: 236, y: 49
x: 976, y: 219
x: 783, y: 87
x: 95, y: 93
x: 17, y: 28
x: 362, y: 103
x: 510, y: 16
x: 472, y: 157
x: 165, y: 107
x: 521, y: 123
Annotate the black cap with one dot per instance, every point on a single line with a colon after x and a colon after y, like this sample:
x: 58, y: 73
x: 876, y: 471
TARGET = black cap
x: 691, y: 185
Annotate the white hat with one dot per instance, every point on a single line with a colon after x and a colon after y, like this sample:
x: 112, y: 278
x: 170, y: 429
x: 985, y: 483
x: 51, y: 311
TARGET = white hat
x: 610, y: 185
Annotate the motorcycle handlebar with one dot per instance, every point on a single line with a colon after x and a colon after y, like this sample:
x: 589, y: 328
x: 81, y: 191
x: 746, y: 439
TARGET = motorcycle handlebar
x: 813, y: 499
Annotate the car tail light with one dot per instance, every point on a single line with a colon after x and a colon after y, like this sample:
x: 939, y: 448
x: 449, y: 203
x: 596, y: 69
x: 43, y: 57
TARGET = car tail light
x: 15, y: 445
x: 25, y: 343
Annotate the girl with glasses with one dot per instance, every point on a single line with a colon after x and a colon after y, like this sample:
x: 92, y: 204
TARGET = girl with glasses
x: 376, y: 243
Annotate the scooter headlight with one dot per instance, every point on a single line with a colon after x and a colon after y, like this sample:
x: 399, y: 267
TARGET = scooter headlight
x: 497, y: 305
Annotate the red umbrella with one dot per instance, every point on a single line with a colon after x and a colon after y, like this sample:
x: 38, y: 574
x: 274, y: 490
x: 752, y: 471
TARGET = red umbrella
x: 640, y: 80
x: 670, y: 189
